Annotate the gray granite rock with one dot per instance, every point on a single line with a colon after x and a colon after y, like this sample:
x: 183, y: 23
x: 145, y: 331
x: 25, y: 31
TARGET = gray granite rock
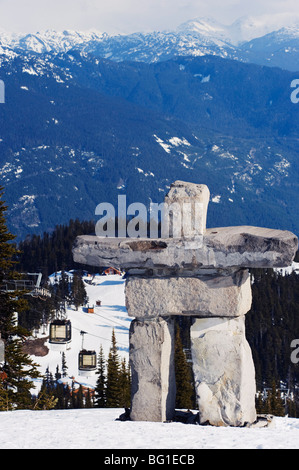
x: 223, y: 372
x: 152, y: 368
x: 190, y: 202
x: 210, y: 295
x: 242, y: 246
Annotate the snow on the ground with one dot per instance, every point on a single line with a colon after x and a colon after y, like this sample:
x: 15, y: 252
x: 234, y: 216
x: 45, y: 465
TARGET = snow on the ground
x: 112, y: 314
x: 289, y: 269
x: 97, y: 428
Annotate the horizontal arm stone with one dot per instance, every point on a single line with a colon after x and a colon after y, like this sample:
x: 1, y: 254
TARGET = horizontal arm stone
x: 242, y: 246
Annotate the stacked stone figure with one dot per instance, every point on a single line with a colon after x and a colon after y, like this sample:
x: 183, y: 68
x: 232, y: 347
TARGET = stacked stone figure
x: 201, y: 273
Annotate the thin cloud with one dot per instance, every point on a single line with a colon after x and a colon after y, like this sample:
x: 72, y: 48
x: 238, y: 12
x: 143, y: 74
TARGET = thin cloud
x: 119, y: 16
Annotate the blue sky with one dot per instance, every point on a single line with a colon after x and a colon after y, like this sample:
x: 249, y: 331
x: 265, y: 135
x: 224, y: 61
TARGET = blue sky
x: 125, y: 16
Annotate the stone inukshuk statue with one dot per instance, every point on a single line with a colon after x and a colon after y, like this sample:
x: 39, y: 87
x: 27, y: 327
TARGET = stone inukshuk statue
x: 198, y: 272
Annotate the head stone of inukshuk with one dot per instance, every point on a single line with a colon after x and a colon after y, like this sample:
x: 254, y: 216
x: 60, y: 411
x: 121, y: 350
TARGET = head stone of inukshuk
x: 197, y: 272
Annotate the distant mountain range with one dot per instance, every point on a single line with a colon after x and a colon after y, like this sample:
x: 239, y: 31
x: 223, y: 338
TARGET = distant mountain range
x: 245, y: 40
x: 78, y: 129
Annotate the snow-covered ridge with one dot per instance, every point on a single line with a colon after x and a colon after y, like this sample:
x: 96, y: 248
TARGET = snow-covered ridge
x: 190, y: 35
x: 49, y: 40
x: 241, y: 30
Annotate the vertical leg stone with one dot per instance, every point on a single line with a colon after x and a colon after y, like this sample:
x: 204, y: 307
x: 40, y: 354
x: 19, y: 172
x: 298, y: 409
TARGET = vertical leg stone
x: 223, y: 371
x: 152, y: 366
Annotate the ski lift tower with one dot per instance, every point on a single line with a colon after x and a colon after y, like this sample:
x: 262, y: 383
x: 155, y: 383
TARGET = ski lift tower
x: 39, y: 291
x: 26, y: 284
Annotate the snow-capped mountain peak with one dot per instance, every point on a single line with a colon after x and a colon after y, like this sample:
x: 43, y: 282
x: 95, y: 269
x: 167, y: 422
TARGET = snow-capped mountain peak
x: 241, y: 30
x: 289, y: 31
x: 208, y: 28
x: 50, y: 40
x: 244, y: 29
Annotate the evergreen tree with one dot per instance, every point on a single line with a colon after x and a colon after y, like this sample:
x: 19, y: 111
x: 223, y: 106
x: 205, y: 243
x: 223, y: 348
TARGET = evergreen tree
x: 275, y: 401
x: 5, y: 404
x: 64, y: 367
x: 125, y: 385
x: 73, y: 400
x: 57, y: 373
x: 100, y: 389
x: 292, y: 409
x: 63, y: 288
x: 78, y: 292
x: 18, y: 366
x: 20, y: 370
x: 46, y: 399
x: 184, y: 389
x: 61, y: 393
x: 79, y: 398
x: 113, y: 390
x: 259, y: 404
x: 88, y: 400
x: 67, y: 397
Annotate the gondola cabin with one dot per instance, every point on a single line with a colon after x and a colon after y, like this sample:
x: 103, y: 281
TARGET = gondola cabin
x: 87, y: 362
x: 60, y: 334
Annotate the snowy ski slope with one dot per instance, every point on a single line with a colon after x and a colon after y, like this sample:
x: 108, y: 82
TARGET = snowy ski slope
x: 98, y: 327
